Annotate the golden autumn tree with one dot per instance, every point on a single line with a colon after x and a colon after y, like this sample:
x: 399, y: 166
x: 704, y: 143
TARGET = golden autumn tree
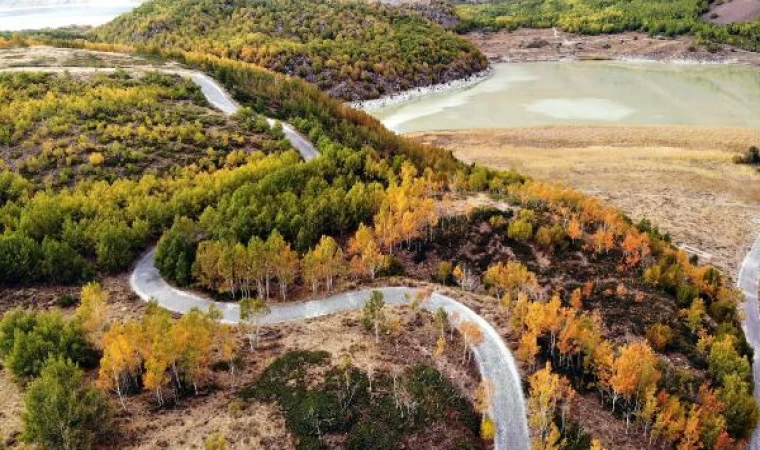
x: 547, y: 392
x: 323, y: 264
x: 158, y: 352
x: 121, y: 362
x: 472, y: 336
x: 634, y: 372
x: 635, y: 247
x: 367, y: 257
x: 671, y: 418
x: 510, y: 279
x: 92, y: 309
x: 192, y: 339
x: 286, y: 264
x: 405, y: 212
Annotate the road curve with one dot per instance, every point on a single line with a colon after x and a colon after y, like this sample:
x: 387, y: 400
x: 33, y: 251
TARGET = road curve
x: 749, y: 278
x: 215, y: 94
x: 494, y: 359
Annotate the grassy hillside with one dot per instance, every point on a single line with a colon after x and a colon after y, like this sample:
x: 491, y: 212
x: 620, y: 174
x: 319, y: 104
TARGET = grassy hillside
x: 353, y: 50
x: 597, y: 16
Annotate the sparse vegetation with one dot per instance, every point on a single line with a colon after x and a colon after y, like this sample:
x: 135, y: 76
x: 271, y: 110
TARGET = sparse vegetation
x: 60, y: 129
x: 596, y: 17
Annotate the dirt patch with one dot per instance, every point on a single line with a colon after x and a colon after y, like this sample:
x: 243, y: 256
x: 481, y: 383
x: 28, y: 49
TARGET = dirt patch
x: 682, y: 179
x: 217, y: 408
x: 11, y: 405
x: 50, y: 56
x: 732, y: 11
x: 532, y: 45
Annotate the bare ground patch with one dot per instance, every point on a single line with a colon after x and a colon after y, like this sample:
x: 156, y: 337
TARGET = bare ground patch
x: 528, y: 45
x: 733, y: 11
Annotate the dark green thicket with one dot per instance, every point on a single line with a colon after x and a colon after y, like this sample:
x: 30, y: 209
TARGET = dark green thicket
x: 750, y: 157
x: 29, y: 339
x: 342, y: 403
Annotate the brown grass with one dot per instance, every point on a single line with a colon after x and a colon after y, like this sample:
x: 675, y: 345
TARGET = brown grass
x: 217, y: 409
x: 520, y: 45
x: 681, y: 178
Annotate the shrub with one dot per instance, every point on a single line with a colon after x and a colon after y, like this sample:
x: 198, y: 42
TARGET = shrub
x: 28, y: 339
x: 19, y: 259
x: 116, y: 247
x: 62, y: 264
x: 751, y: 157
x: 96, y: 159
x: 659, y: 336
x: 445, y: 273
x: 520, y: 230
x: 65, y: 301
x: 216, y: 441
x: 62, y: 411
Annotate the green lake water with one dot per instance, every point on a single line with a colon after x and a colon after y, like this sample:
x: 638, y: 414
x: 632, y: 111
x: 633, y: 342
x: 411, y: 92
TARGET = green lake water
x: 561, y: 93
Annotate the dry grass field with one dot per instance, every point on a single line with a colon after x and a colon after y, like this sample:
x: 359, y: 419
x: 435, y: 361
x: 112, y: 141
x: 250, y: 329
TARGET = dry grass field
x: 681, y: 178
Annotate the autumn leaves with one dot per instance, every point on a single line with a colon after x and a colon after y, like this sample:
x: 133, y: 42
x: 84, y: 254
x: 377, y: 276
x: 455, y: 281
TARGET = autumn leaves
x: 164, y: 355
x: 405, y: 212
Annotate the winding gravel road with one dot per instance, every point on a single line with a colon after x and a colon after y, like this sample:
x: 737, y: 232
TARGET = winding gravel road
x: 213, y: 91
x: 749, y: 278
x: 494, y: 359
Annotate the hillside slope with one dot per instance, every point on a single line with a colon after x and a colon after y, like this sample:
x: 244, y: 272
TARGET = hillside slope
x: 681, y: 17
x: 352, y: 50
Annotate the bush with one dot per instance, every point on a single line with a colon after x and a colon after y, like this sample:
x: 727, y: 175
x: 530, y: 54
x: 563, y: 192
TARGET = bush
x: 659, y: 336
x: 445, y: 273
x: 751, y: 157
x: 20, y: 258
x: 520, y: 230
x: 28, y: 339
x: 62, y: 264
x: 62, y: 411
x: 65, y: 301
x: 116, y: 247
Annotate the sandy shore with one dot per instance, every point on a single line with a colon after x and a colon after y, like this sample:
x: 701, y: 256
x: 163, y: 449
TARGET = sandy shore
x: 411, y: 94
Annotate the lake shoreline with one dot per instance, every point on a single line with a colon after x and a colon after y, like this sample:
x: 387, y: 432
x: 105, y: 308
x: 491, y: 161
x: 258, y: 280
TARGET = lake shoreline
x: 537, y: 46
x: 528, y: 45
x: 422, y: 91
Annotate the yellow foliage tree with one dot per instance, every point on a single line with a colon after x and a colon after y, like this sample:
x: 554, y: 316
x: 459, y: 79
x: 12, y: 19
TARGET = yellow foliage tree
x: 92, y: 309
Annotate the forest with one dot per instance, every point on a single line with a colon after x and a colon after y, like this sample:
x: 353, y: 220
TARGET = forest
x: 671, y: 18
x: 353, y: 50
x: 60, y: 129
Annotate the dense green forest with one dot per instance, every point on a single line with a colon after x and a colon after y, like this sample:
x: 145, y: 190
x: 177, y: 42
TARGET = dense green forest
x: 670, y: 18
x: 103, y: 225
x: 351, y: 49
x: 58, y: 129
